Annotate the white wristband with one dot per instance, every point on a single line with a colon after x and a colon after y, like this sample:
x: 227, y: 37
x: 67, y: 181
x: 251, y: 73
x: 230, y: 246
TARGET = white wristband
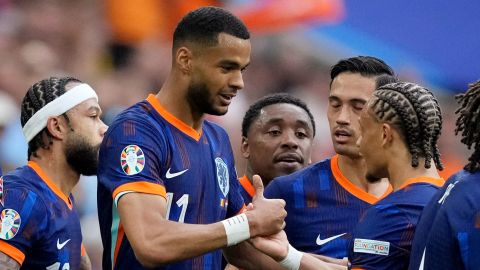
x: 292, y: 261
x: 237, y: 229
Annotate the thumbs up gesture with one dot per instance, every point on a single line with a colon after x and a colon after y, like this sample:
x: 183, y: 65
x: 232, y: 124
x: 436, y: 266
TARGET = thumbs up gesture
x: 265, y: 216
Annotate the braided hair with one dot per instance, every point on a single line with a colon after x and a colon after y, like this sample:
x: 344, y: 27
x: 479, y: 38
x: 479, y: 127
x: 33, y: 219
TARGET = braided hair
x: 468, y: 123
x: 37, y: 96
x: 415, y: 112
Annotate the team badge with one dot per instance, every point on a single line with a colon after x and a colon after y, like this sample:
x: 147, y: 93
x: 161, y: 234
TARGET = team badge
x: 10, y: 223
x: 132, y: 159
x: 222, y: 176
x: 1, y: 190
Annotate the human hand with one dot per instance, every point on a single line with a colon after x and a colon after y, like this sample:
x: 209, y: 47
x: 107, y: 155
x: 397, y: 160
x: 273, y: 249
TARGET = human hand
x: 265, y: 216
x: 275, y: 246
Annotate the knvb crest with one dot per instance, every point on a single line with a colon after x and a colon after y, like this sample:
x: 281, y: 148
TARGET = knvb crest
x: 222, y: 176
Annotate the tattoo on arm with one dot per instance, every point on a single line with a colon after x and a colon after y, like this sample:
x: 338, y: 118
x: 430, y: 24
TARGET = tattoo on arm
x: 7, y: 263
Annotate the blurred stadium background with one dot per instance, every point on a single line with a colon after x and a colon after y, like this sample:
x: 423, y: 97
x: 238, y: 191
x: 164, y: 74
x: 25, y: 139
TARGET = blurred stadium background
x: 122, y: 48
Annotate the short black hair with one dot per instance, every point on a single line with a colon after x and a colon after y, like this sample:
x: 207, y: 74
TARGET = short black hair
x: 280, y: 98
x: 468, y: 124
x: 38, y: 95
x: 367, y: 66
x: 204, y: 24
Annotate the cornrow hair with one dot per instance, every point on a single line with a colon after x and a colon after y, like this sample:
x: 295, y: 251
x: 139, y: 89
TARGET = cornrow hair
x: 415, y: 112
x: 38, y: 95
x: 468, y: 123
x: 280, y: 98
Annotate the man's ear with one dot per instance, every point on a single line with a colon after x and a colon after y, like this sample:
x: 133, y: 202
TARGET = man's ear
x: 56, y: 127
x: 183, y: 58
x: 387, y: 134
x: 245, y: 148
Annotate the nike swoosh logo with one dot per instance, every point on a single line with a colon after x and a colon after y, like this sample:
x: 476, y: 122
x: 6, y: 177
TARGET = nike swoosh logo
x: 60, y: 246
x: 326, y: 240
x: 172, y: 175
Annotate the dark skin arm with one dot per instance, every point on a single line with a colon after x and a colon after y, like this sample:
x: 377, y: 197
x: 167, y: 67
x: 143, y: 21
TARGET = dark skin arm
x: 158, y: 241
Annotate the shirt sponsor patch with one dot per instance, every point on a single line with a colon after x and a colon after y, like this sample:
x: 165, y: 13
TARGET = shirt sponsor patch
x: 371, y: 246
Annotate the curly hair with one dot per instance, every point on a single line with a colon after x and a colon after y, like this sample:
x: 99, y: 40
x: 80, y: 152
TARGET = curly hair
x: 468, y: 123
x: 415, y: 112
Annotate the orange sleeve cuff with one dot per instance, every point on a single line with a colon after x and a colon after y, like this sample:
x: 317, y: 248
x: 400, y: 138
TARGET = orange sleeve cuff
x: 140, y: 187
x: 12, y: 252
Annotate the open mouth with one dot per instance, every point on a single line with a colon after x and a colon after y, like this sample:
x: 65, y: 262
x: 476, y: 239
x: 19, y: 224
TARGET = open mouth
x: 226, y: 98
x: 342, y: 135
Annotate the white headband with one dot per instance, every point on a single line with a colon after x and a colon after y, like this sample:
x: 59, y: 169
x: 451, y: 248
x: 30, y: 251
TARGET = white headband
x: 56, y: 107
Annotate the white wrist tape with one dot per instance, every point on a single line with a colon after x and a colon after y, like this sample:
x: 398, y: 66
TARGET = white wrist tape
x: 237, y: 229
x: 292, y: 261
x: 56, y: 107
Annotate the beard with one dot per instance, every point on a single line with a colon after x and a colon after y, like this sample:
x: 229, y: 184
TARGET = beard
x: 200, y: 99
x: 81, y: 155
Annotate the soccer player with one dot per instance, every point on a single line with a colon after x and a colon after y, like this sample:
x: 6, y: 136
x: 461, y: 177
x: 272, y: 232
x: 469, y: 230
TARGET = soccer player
x: 326, y: 200
x: 166, y: 176
x: 400, y: 127
x: 277, y: 137
x: 40, y: 228
x: 452, y: 240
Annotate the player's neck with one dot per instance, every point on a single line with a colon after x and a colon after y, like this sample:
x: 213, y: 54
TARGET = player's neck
x: 57, y: 169
x: 400, y: 170
x: 249, y: 174
x: 354, y: 170
x: 172, y: 97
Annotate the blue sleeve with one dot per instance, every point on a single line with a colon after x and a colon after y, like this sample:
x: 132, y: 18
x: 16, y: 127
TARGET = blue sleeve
x: 381, y: 240
x: 235, y: 199
x: 24, y: 220
x: 456, y: 231
x: 131, y: 159
x: 441, y: 241
x: 272, y: 191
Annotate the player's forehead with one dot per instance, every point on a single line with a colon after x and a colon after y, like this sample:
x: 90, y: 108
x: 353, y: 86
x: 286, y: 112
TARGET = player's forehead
x: 228, y: 48
x: 88, y: 106
x: 284, y: 113
x: 352, y: 86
